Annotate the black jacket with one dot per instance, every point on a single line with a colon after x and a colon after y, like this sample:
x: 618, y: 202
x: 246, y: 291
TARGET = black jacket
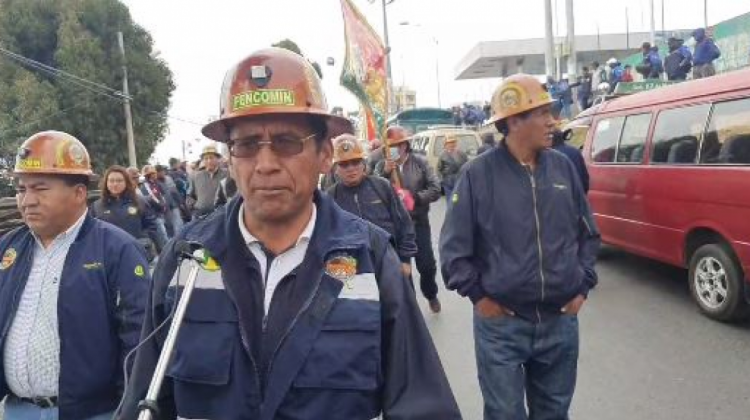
x: 336, y: 344
x: 449, y: 166
x: 526, y: 239
x: 419, y: 179
x: 375, y: 201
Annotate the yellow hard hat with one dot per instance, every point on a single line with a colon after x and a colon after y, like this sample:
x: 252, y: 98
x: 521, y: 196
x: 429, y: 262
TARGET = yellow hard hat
x: 346, y: 147
x: 517, y: 94
x: 53, y: 153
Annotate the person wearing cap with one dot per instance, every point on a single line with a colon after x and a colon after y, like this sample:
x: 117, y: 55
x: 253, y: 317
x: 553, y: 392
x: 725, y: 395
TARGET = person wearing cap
x: 303, y: 311
x: 452, y: 160
x: 204, y: 184
x: 371, y: 197
x: 72, y: 291
x: 422, y: 186
x: 520, y: 242
x: 156, y: 201
x: 705, y: 53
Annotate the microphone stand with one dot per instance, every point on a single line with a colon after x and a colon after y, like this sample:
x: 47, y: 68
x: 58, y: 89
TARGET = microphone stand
x: 148, y: 408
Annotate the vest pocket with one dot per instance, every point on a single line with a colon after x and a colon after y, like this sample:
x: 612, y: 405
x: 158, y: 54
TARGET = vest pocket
x: 346, y: 354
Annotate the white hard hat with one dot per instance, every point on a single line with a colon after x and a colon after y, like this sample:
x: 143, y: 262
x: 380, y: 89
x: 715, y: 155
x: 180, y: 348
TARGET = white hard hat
x: 612, y: 61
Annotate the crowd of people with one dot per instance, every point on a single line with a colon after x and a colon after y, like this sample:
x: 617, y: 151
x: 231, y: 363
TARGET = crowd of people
x: 304, y: 298
x: 678, y: 64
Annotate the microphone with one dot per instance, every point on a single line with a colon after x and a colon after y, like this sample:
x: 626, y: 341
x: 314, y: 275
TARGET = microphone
x: 189, y: 250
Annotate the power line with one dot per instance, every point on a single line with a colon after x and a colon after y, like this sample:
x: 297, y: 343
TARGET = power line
x: 55, y: 72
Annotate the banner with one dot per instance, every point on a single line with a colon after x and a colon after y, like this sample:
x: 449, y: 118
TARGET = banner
x: 364, y: 70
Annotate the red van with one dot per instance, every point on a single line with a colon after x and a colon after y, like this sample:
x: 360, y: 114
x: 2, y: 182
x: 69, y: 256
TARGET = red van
x: 670, y: 180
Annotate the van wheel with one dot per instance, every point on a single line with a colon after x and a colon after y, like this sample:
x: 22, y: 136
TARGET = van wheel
x: 716, y: 283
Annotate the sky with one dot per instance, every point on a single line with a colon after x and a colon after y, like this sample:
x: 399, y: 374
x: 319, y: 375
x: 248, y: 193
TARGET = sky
x: 201, y: 39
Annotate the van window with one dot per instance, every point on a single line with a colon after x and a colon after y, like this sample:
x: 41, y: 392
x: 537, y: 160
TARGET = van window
x: 437, y: 149
x: 728, y: 138
x: 605, y: 139
x: 677, y: 135
x: 467, y: 143
x: 633, y: 139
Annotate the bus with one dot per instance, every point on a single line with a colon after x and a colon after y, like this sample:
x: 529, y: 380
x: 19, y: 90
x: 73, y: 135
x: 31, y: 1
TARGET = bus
x: 421, y: 119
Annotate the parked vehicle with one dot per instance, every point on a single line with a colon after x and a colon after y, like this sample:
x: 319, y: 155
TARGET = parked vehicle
x: 670, y: 180
x: 431, y: 142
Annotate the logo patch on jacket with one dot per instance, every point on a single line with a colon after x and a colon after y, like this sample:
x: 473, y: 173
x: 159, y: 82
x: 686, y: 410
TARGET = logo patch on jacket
x: 132, y: 211
x: 8, y: 259
x: 342, y: 267
x: 139, y: 271
x: 93, y: 266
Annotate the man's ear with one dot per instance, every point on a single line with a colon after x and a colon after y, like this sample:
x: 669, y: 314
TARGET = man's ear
x: 325, y: 154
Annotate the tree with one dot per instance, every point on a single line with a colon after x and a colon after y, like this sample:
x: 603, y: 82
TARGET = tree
x: 80, y: 38
x: 292, y: 46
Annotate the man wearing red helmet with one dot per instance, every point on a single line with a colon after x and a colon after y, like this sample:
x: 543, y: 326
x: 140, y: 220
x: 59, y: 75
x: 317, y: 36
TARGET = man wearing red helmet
x: 305, y: 313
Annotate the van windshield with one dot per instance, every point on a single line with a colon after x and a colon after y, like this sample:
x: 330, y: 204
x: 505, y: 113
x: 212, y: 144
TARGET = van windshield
x: 467, y: 143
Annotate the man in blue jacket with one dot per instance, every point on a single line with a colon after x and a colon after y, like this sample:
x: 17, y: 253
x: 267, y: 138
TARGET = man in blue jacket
x: 72, y: 291
x: 303, y: 312
x: 520, y: 242
x: 706, y: 52
x: 371, y: 197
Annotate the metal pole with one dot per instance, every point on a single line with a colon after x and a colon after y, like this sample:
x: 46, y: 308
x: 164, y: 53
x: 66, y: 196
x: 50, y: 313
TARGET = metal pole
x: 437, y: 71
x: 653, y: 24
x: 128, y: 116
x: 166, y: 353
x: 385, y: 38
x: 627, y: 29
x: 549, y: 43
x: 663, y: 32
x: 572, y: 55
x: 705, y: 14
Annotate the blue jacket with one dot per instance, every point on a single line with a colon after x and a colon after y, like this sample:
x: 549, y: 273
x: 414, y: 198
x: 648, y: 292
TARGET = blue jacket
x: 134, y: 218
x: 706, y: 50
x: 375, y: 201
x: 337, y: 348
x: 579, y: 163
x: 527, y: 240
x: 101, y: 305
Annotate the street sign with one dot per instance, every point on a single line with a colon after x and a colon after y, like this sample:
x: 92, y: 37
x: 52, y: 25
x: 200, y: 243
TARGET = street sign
x: 627, y: 88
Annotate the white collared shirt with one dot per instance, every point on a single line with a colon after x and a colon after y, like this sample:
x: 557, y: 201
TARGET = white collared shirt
x: 282, y: 264
x: 32, y: 349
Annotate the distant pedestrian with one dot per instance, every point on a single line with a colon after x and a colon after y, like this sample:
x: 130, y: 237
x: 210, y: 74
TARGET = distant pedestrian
x: 124, y: 208
x: 585, y: 89
x: 679, y: 61
x: 488, y: 143
x: 651, y: 65
x: 706, y: 51
x: 449, y: 166
x: 627, y: 74
x: 205, y: 183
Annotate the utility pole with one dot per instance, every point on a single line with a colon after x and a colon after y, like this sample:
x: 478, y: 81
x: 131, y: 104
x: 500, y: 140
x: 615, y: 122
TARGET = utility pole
x: 572, y: 58
x: 549, y: 47
x: 437, y: 71
x: 705, y: 14
x: 128, y: 115
x: 653, y: 24
x: 627, y: 29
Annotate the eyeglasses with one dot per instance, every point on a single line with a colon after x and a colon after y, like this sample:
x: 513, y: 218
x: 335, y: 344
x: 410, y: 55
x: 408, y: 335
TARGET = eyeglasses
x: 349, y: 163
x: 283, y: 145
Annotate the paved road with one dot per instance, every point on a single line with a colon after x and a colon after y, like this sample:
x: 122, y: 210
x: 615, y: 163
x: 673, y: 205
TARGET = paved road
x: 646, y: 352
